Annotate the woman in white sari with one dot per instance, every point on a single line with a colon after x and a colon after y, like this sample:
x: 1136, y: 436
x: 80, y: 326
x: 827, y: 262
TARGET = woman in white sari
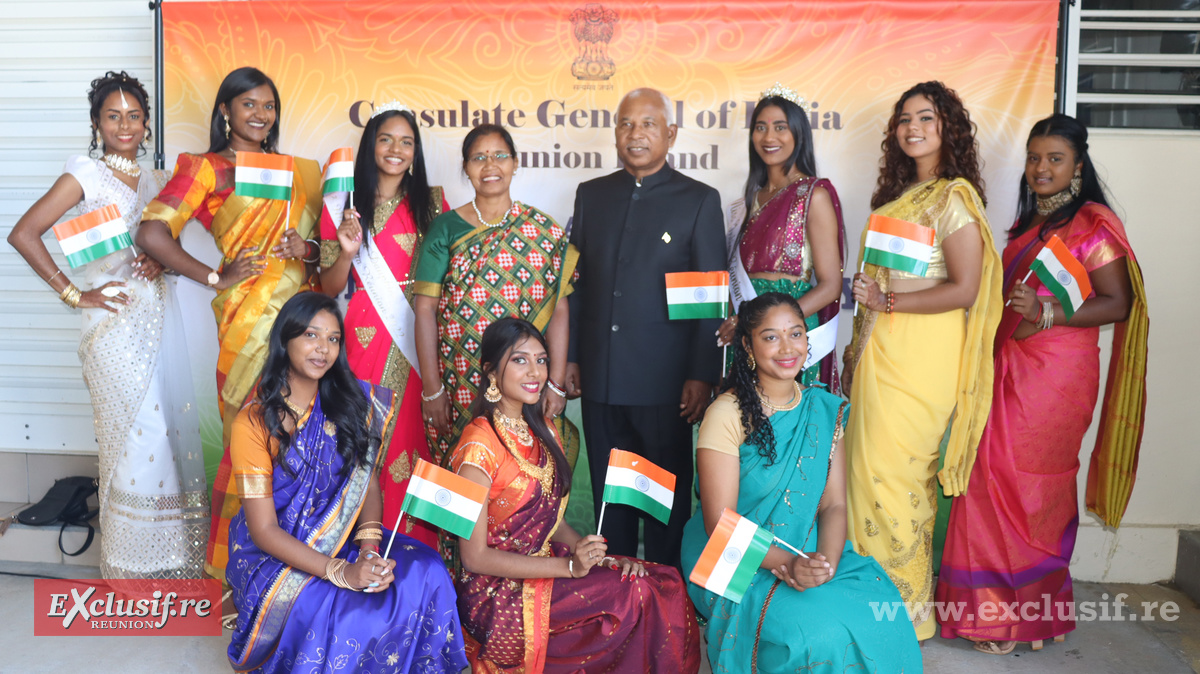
x: 153, y: 498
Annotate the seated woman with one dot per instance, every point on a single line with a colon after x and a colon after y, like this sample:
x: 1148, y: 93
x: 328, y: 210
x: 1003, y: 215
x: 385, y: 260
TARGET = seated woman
x: 771, y: 450
x: 305, y: 543
x: 534, y: 595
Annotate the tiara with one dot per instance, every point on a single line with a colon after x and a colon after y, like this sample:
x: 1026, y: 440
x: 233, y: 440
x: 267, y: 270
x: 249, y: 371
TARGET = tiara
x: 388, y: 107
x: 787, y: 94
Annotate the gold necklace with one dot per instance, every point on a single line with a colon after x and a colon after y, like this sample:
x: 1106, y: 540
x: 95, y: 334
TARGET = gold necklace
x: 1047, y: 205
x: 296, y: 409
x: 786, y: 407
x: 118, y: 163
x: 543, y: 474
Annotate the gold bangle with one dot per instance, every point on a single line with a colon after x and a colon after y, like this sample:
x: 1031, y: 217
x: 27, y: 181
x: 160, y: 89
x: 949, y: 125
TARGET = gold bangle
x: 369, y: 535
x: 53, y: 275
x: 71, y: 296
x: 363, y: 524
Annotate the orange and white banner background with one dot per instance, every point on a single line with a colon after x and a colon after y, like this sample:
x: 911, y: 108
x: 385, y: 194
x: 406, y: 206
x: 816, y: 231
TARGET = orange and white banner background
x: 553, y: 73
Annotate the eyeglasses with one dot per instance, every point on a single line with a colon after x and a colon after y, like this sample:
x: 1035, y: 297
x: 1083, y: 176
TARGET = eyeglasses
x: 481, y: 158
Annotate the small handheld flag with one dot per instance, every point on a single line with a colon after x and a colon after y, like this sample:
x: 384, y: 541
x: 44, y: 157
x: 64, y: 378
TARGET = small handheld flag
x: 697, y: 294
x: 897, y: 244
x: 632, y: 480
x: 1063, y: 275
x: 93, y: 235
x: 339, y: 171
x: 732, y: 556
x: 264, y: 176
x: 443, y: 499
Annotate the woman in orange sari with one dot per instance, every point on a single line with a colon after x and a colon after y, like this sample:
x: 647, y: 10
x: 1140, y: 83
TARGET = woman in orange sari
x: 392, y: 185
x: 1012, y: 533
x: 533, y: 594
x: 265, y: 254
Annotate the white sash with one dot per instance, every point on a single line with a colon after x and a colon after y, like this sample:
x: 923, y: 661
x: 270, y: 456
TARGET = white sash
x: 394, y: 310
x: 821, y: 340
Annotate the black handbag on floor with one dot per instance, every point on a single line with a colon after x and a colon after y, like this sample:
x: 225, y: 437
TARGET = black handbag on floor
x: 65, y: 503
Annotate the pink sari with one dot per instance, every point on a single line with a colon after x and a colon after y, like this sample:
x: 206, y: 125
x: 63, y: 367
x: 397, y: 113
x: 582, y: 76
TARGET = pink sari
x: 1011, y: 535
x: 374, y: 357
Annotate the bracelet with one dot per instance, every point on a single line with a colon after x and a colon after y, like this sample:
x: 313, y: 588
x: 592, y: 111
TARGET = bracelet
x: 335, y: 572
x: 1047, y: 316
x: 369, y: 547
x: 369, y: 535
x: 891, y: 303
x: 435, y: 396
x: 70, y: 296
x: 316, y: 256
x: 555, y: 387
x: 363, y: 524
x: 53, y: 275
x: 571, y: 566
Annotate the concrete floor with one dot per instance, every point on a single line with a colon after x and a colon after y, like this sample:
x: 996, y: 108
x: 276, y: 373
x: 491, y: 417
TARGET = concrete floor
x: 1095, y: 647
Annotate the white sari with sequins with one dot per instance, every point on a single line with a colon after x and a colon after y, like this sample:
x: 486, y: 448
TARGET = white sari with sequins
x: 153, y: 493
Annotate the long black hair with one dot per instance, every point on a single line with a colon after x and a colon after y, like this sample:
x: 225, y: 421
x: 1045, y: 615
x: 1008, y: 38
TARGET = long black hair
x: 103, y: 87
x: 342, y: 399
x: 498, y: 340
x: 235, y: 84
x: 802, y: 156
x: 1075, y: 134
x: 416, y: 185
x: 743, y: 380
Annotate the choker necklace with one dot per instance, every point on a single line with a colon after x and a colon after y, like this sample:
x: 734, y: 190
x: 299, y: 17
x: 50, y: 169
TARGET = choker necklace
x: 788, y: 406
x: 118, y: 163
x: 296, y: 409
x: 1047, y: 205
x: 517, y: 427
x: 493, y: 225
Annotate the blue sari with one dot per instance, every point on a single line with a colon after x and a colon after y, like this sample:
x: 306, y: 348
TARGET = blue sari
x: 411, y: 627
x: 831, y: 627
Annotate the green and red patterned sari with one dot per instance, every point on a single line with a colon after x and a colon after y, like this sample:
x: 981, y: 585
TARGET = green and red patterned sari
x: 520, y: 268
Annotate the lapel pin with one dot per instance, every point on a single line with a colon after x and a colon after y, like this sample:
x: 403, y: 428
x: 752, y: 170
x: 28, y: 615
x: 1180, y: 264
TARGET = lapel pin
x: 666, y: 237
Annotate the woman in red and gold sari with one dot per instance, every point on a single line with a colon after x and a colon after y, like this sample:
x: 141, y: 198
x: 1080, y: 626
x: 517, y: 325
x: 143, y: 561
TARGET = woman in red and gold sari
x: 533, y: 594
x: 392, y: 185
x: 1012, y: 533
x: 263, y: 247
x: 487, y: 259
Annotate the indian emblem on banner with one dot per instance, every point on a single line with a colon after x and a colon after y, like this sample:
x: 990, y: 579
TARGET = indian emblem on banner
x: 593, y: 28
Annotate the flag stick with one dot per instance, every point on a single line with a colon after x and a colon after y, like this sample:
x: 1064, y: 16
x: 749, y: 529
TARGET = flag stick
x: 599, y: 524
x: 394, y: 530
x: 861, y: 265
x: 789, y: 547
x: 1022, y: 283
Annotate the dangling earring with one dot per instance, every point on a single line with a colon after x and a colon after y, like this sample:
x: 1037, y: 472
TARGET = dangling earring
x: 410, y: 169
x: 96, y: 139
x: 1076, y: 184
x: 750, y: 361
x: 492, y: 394
x: 228, y: 130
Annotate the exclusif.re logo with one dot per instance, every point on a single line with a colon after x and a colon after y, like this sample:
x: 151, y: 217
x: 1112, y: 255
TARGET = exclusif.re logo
x: 593, y: 27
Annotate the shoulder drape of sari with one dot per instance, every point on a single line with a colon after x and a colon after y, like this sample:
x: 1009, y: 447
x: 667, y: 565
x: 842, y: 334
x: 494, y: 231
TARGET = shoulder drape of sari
x: 522, y: 269
x: 203, y: 188
x: 776, y: 240
x: 509, y: 618
x: 1113, y: 466
x: 318, y: 504
x: 924, y: 204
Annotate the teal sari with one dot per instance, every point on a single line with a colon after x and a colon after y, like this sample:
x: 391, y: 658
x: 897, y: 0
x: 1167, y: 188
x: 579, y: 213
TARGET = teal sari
x: 832, y: 627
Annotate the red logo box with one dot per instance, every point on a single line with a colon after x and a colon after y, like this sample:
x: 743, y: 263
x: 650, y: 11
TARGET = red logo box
x: 90, y: 607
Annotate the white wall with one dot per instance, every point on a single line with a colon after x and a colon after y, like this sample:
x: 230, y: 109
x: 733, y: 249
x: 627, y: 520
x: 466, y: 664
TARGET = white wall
x: 1154, y: 178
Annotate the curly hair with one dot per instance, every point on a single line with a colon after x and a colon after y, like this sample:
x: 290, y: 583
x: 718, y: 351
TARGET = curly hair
x: 743, y: 380
x: 960, y: 151
x: 103, y: 87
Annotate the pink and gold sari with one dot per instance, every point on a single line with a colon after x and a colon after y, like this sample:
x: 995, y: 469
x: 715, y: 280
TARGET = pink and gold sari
x: 1011, y: 535
x: 202, y: 188
x: 374, y: 356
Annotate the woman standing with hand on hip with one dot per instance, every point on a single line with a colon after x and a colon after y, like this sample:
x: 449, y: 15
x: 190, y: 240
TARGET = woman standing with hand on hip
x: 265, y: 255
x: 153, y: 496
x: 922, y: 348
x: 392, y: 185
x: 1012, y: 533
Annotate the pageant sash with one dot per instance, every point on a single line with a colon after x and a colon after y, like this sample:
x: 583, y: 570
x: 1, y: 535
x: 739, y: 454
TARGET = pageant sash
x: 740, y: 289
x: 821, y: 341
x: 394, y: 310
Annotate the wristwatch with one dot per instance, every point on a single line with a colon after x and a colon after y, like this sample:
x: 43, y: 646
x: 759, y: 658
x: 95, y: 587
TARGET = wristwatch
x: 213, y: 278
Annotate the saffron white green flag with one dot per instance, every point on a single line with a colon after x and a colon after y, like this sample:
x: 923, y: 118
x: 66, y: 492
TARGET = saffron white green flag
x: 734, y: 552
x: 898, y: 244
x: 632, y: 480
x: 339, y: 172
x: 697, y: 294
x: 444, y: 499
x: 1063, y: 275
x: 93, y: 235
x: 264, y: 176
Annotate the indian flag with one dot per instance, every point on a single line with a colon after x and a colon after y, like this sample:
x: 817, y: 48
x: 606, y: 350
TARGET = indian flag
x: 697, y: 294
x: 1063, y: 275
x: 264, y: 176
x: 897, y: 244
x: 93, y: 235
x: 632, y: 480
x: 734, y: 552
x: 444, y: 499
x: 339, y: 171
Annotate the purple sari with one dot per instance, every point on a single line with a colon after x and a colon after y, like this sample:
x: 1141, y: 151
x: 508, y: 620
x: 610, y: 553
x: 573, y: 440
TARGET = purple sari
x: 411, y: 627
